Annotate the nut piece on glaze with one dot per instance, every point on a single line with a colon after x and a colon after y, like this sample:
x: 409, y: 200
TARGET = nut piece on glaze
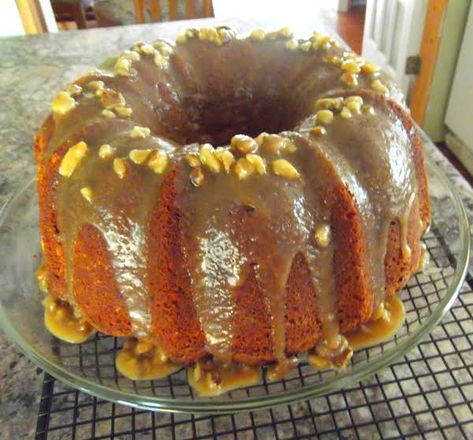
x: 208, y: 159
x: 243, y: 143
x: 86, y: 192
x: 139, y: 156
x: 158, y: 161
x: 283, y: 168
x: 244, y: 168
x: 225, y: 157
x: 106, y: 150
x: 197, y: 176
x: 63, y: 103
x: 322, y: 235
x: 139, y: 132
x: 258, y: 162
x: 72, y: 158
x: 119, y: 166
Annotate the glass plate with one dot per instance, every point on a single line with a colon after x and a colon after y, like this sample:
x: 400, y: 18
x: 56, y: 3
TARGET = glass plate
x: 90, y: 366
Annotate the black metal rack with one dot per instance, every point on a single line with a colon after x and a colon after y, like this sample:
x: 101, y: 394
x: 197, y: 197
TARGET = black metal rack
x: 426, y: 394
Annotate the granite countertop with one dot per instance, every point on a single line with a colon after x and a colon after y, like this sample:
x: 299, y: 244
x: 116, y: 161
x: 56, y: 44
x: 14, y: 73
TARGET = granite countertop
x: 32, y: 70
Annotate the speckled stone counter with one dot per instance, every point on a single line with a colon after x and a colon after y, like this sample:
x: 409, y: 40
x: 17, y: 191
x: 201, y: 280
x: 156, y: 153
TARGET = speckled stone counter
x: 32, y: 69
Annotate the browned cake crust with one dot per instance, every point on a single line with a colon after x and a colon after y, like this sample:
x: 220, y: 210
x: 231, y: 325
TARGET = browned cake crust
x: 174, y: 321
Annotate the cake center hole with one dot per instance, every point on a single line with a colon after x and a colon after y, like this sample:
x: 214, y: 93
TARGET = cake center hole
x: 217, y: 120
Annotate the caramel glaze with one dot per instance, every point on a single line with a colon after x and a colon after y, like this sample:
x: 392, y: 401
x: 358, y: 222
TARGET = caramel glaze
x: 60, y: 320
x: 210, y: 379
x: 379, y: 330
x: 143, y: 361
x: 207, y: 95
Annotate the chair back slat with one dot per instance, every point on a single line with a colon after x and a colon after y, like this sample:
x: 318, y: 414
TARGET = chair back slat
x: 173, y: 13
x: 207, y: 8
x: 155, y: 10
x: 139, y: 11
x: 190, y: 9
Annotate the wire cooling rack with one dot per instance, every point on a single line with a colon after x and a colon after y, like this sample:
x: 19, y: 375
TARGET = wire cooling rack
x: 426, y: 394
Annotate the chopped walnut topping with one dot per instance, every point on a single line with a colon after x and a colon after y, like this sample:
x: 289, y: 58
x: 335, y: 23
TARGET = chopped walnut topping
x: 329, y: 103
x: 321, y: 41
x: 244, y: 168
x: 74, y: 89
x: 181, y: 38
x: 119, y: 166
x: 111, y: 99
x: 225, y: 157
x: 381, y: 313
x: 108, y: 114
x: 258, y: 162
x: 244, y: 144
x: 197, y: 176
x: 332, y: 59
x: 63, y: 103
x: 318, y: 130
x: 138, y: 132
x: 123, y: 66
x: 132, y: 55
x: 369, y: 68
x: 289, y: 147
x: 273, y: 143
x: 208, y: 159
x: 193, y: 160
x: 106, y: 150
x: 284, y: 32
x: 146, y: 49
x: 96, y: 86
x: 143, y: 347
x: 379, y: 86
x: 292, y: 44
x: 124, y: 112
x: 197, y: 372
x: 350, y: 79
x: 305, y: 46
x: 354, y: 103
x: 283, y: 168
x: 72, y: 158
x: 260, y: 138
x: 86, y: 192
x: 210, y: 34
x: 164, y: 48
x: 160, y: 60
x: 346, y: 113
x: 324, y: 116
x: 158, y: 161
x: 350, y: 66
x: 139, y: 156
x: 322, y: 235
x: 353, y: 98
x: 331, y: 357
x: 368, y: 109
x: 257, y: 34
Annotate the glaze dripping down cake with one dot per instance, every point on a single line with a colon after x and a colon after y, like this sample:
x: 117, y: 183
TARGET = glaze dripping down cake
x: 238, y: 199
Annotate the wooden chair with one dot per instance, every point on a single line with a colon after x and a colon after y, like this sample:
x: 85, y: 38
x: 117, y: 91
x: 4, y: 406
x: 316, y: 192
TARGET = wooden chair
x: 190, y: 9
x: 74, y: 9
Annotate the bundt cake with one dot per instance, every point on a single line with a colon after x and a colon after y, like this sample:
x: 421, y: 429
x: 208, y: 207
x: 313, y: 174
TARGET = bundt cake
x: 240, y: 199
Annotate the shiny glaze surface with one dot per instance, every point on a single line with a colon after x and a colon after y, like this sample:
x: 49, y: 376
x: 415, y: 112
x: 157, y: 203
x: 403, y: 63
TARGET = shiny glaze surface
x: 200, y: 96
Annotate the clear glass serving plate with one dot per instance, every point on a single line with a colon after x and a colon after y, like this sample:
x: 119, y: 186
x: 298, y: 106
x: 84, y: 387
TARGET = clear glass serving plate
x: 90, y: 366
